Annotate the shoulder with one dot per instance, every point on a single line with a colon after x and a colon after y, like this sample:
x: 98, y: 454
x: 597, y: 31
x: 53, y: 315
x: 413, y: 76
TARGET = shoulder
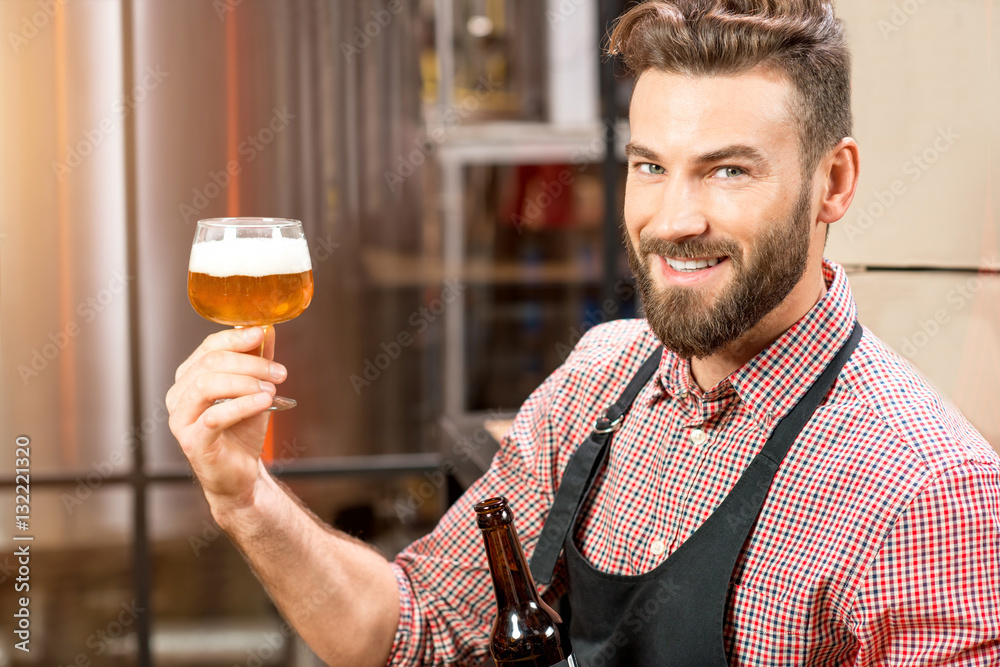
x: 884, y: 438
x: 613, y: 348
x: 884, y: 444
x: 914, y: 418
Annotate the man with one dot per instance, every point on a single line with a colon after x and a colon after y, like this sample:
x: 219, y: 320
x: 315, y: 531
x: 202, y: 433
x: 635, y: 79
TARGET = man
x: 778, y: 488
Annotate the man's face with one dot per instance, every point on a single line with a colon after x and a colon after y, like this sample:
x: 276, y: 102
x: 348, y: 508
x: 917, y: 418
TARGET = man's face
x: 715, y: 177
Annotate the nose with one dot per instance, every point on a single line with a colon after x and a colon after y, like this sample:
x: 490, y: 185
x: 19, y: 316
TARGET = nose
x: 679, y: 212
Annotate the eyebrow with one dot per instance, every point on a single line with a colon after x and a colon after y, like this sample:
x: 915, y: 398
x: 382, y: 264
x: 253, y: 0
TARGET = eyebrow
x: 735, y: 151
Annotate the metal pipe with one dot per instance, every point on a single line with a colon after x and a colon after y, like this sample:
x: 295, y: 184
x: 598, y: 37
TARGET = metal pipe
x: 388, y: 465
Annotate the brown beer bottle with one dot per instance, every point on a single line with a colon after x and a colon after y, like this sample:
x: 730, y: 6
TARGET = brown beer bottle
x: 525, y: 631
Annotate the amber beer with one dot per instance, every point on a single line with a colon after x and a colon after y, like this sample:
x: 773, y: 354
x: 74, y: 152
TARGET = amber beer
x: 250, y: 281
x: 525, y: 632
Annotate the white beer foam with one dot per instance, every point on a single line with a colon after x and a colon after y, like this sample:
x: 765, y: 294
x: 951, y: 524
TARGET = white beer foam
x: 250, y: 257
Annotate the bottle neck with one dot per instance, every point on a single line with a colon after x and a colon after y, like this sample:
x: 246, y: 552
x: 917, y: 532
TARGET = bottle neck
x: 512, y: 581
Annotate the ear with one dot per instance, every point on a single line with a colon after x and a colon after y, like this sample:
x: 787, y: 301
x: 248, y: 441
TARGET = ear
x: 840, y: 170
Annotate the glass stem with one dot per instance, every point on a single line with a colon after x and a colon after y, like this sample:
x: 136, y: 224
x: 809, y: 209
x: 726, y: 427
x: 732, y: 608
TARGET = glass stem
x: 260, y: 352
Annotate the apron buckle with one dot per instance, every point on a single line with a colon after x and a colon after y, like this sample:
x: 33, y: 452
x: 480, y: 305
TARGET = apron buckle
x: 606, y: 425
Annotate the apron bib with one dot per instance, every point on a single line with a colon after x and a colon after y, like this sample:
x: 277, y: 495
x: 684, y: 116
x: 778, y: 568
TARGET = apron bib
x: 672, y: 615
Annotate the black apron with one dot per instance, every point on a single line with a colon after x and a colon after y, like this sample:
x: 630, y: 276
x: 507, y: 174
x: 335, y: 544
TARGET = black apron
x: 673, y: 614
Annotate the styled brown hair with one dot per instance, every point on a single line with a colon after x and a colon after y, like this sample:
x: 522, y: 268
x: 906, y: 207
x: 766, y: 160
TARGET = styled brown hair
x: 801, y: 39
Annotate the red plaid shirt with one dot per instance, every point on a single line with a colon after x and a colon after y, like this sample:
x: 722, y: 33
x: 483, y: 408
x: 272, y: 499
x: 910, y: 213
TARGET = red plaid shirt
x: 878, y: 544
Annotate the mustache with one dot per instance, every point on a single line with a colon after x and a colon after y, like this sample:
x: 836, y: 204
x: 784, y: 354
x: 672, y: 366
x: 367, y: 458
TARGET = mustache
x: 653, y: 245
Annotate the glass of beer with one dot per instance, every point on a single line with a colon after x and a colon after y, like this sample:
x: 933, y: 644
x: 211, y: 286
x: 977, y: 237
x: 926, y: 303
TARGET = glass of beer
x: 250, y: 272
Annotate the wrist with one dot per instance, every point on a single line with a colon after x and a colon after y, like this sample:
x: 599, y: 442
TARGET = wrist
x: 244, y: 513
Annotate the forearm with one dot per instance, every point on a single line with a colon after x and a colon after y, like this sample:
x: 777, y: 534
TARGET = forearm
x: 339, y: 594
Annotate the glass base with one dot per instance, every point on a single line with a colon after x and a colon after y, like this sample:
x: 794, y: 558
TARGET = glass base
x: 282, y: 403
x: 277, y: 403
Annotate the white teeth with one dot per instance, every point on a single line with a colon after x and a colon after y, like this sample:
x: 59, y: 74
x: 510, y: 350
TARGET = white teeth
x: 691, y: 265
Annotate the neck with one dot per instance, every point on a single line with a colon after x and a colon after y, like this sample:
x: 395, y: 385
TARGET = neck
x: 512, y: 582
x: 709, y: 371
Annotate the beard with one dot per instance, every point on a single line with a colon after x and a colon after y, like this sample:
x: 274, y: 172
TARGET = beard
x: 689, y: 325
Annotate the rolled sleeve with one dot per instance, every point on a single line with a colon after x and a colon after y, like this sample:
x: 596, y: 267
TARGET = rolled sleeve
x: 446, y: 593
x: 404, y: 651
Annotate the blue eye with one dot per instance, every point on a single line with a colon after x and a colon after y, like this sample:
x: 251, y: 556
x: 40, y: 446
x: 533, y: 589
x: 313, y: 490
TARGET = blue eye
x: 730, y: 172
x: 653, y: 169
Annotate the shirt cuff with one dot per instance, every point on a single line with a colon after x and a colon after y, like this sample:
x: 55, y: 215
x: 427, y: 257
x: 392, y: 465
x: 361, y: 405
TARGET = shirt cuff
x: 403, y: 645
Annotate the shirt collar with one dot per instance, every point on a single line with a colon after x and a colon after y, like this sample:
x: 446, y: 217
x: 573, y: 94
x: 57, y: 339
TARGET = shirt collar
x: 772, y: 383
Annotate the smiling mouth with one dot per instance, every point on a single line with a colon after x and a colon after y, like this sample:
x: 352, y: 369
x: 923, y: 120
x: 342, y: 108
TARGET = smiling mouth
x: 690, y: 265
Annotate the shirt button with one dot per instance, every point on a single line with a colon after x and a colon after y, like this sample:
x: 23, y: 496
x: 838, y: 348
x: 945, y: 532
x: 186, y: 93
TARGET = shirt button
x: 699, y: 437
x: 657, y: 547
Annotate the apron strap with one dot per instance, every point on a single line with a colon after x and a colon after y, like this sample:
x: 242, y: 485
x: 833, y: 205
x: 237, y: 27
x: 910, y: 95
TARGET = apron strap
x: 788, y: 429
x: 578, y: 473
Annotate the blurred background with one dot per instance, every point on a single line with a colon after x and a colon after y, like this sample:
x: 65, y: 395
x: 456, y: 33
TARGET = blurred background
x: 458, y: 168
